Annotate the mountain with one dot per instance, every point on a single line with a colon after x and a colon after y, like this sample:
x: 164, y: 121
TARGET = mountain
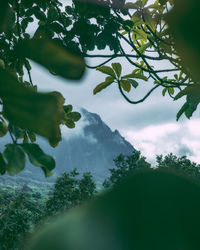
x: 91, y: 146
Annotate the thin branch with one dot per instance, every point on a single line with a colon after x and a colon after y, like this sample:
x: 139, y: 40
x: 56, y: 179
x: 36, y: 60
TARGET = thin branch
x: 121, y: 55
x: 101, y: 64
x: 139, y: 101
x: 12, y: 137
x: 29, y: 75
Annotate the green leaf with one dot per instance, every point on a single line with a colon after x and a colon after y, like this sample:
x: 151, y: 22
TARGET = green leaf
x: 130, y: 5
x: 171, y: 91
x: 103, y: 85
x: 52, y: 14
x: 106, y: 70
x: 61, y: 60
x: 164, y: 91
x: 3, y: 128
x: 69, y: 123
x: 144, y: 47
x: 67, y: 108
x: 15, y: 158
x: 31, y: 136
x: 141, y: 35
x: 189, y: 111
x: 23, y: 107
x: 133, y: 82
x: 181, y: 94
x: 136, y: 75
x: 4, y: 15
x: 25, y: 140
x: 144, y: 2
x: 38, y: 158
x: 16, y: 131
x: 2, y: 165
x: 56, y: 27
x: 163, y: 2
x: 117, y: 68
x: 39, y: 14
x: 182, y: 110
x: 125, y: 85
x: 74, y: 116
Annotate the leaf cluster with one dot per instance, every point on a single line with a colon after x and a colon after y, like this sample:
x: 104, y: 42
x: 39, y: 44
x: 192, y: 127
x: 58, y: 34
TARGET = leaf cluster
x: 24, y: 112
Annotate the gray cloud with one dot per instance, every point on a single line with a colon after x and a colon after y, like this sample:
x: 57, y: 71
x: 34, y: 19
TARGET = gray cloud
x: 185, y: 150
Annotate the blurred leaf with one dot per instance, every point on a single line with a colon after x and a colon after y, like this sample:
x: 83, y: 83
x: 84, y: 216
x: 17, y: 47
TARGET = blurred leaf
x: 103, y: 85
x: 117, y: 68
x: 131, y: 216
x: 144, y: 2
x: 15, y: 158
x: 56, y: 27
x: 3, y: 128
x: 31, y: 136
x: 69, y: 123
x: 2, y: 64
x: 40, y: 113
x: 183, y: 22
x: 192, y: 93
x: 74, y: 116
x: 38, y: 158
x: 67, y: 108
x: 125, y: 85
x: 3, y: 15
x: 163, y: 2
x: 2, y: 165
x: 182, y: 110
x: 25, y: 139
x: 16, y: 131
x: 54, y: 57
x: 106, y: 70
x: 130, y: 5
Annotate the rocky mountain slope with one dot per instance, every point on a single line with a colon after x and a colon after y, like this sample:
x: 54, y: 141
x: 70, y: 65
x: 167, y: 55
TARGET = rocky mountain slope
x: 91, y: 146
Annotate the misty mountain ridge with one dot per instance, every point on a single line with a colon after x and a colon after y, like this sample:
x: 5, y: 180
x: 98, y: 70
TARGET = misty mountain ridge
x: 90, y: 147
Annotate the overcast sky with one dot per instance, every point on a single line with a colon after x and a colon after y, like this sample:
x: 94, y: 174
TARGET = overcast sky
x: 151, y: 126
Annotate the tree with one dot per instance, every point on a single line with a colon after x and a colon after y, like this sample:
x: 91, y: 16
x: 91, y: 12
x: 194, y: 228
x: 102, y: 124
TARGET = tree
x: 124, y: 166
x: 65, y: 36
x: 70, y: 191
x: 180, y: 164
x: 18, y: 214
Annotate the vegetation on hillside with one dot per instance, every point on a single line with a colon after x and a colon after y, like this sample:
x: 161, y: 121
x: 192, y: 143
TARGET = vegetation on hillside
x: 23, y: 210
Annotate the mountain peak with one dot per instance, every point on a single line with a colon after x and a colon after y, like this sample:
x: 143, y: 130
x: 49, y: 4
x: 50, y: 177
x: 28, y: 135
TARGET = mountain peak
x: 92, y: 147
